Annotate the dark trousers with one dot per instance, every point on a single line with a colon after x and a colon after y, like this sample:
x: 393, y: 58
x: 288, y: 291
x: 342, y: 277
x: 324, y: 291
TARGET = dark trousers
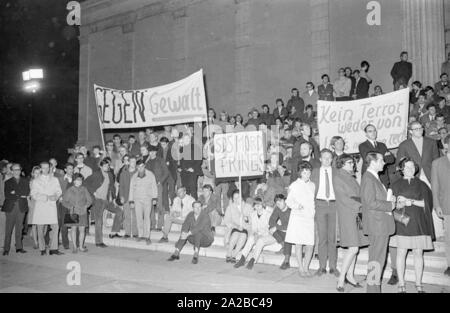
x: 198, y: 241
x: 325, y: 219
x: 97, y: 210
x: 346, y: 98
x: 63, y: 230
x: 378, y: 246
x: 189, y: 180
x: 171, y: 187
x: 279, y: 237
x: 14, y: 219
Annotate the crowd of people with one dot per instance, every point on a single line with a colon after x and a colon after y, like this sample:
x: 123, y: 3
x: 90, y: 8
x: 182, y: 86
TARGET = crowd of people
x: 308, y: 197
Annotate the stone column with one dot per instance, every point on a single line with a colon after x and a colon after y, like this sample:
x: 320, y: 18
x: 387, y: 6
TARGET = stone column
x: 242, y: 64
x: 423, y: 38
x: 320, y: 39
x: 83, y: 93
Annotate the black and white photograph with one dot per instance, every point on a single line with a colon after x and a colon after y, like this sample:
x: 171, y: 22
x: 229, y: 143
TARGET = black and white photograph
x: 224, y: 153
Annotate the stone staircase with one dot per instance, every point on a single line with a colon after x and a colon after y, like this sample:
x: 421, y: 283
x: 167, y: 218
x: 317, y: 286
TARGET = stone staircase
x: 435, y: 261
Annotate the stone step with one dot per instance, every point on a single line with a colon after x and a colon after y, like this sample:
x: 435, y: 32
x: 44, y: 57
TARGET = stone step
x: 433, y: 272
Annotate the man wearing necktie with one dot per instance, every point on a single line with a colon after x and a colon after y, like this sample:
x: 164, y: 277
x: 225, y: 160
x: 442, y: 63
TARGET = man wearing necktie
x: 378, y: 222
x: 325, y: 216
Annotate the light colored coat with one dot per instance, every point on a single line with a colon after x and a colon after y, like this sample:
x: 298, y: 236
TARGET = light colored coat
x: 45, y: 211
x: 143, y: 188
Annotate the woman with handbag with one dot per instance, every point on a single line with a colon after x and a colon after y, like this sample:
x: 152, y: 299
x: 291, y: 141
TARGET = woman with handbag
x: 413, y: 220
x: 348, y: 206
x: 77, y: 199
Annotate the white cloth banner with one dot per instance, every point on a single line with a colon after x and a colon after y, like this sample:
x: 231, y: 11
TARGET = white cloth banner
x: 183, y: 101
x: 389, y: 114
x: 239, y: 154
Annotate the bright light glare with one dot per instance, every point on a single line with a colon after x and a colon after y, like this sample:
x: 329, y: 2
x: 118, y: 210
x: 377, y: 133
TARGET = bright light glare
x: 35, y: 73
x: 32, y: 86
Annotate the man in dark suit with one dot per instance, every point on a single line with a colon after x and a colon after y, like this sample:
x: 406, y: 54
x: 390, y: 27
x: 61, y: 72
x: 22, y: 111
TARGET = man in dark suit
x: 65, y: 182
x: 401, y: 71
x: 190, y: 165
x: 304, y: 154
x: 325, y: 217
x: 372, y: 145
x: 421, y: 149
x: 15, y: 206
x: 165, y: 153
x: 361, y: 90
x: 378, y: 222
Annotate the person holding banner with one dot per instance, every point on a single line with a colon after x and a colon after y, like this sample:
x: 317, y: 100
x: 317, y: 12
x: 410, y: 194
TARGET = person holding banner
x: 300, y: 230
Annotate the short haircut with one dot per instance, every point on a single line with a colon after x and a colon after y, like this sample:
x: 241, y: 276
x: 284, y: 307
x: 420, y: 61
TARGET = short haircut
x: 342, y: 159
x: 307, y: 143
x: 125, y: 156
x: 107, y: 159
x: 109, y: 142
x: 279, y: 197
x: 432, y: 104
x: 208, y: 186
x: 79, y: 154
x: 265, y: 106
x: 323, y: 151
x: 131, y: 136
x: 96, y: 147
x: 440, y: 99
x: 279, y: 100
x: 139, y: 162
x: 417, y: 83
x: 20, y: 166
x: 309, y: 106
x: 103, y: 162
x: 372, y: 156
x: 214, y: 112
x: 181, y: 187
x: 304, y: 165
x: 369, y: 125
x: 164, y: 139
x: 258, y: 200
x: 335, y: 139
x: 403, y: 53
x: 402, y: 163
x: 443, y: 75
x: 78, y: 176
x: 365, y: 63
x: 235, y: 192
x: 357, y: 71
x: 294, y: 89
x: 311, y: 83
x: 410, y: 125
x: 117, y: 136
x: 196, y: 202
x: 69, y: 164
x: 325, y: 75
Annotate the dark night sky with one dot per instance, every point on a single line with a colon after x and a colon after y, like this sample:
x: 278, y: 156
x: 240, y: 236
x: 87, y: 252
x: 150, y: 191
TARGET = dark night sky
x: 35, y: 33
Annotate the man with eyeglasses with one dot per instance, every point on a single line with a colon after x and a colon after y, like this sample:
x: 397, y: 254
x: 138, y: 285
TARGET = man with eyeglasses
x: 421, y: 149
x: 310, y: 96
x: 372, y: 145
x: 80, y: 167
x: 15, y: 206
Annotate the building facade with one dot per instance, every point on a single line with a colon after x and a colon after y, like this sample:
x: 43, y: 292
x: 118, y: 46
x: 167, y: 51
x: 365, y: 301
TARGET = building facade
x: 251, y: 51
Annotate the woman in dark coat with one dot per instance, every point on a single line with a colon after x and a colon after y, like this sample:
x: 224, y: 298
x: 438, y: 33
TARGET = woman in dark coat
x: 415, y: 199
x: 348, y: 207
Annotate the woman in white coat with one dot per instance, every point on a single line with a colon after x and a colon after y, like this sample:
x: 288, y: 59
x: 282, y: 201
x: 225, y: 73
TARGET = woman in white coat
x: 45, y: 191
x: 300, y: 230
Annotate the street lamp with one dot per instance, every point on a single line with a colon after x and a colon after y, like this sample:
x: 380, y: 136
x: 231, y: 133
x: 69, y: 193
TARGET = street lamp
x: 31, y: 80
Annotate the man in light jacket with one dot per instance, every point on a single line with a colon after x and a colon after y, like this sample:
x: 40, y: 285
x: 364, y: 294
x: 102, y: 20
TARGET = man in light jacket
x: 143, y: 194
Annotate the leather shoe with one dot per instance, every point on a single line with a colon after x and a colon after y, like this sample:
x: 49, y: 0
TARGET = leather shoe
x: 285, y: 266
x: 321, y: 271
x: 394, y: 278
x: 163, y: 239
x: 101, y: 245
x: 334, y: 272
x: 43, y: 252
x: 240, y: 263
x: 5, y: 252
x: 55, y: 252
x: 20, y: 251
x: 250, y: 263
x: 195, y: 260
x: 173, y: 257
x: 112, y: 236
x: 340, y: 289
x: 447, y: 271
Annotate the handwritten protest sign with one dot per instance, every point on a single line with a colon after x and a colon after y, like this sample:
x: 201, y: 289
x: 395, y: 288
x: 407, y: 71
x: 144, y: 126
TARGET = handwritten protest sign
x: 239, y: 154
x: 179, y: 102
x: 389, y: 114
